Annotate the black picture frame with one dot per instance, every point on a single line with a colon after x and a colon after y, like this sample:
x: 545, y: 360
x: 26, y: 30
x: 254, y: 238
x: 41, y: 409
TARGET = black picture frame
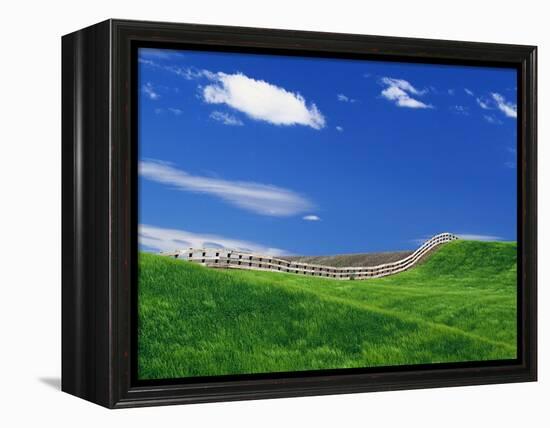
x: 99, y: 228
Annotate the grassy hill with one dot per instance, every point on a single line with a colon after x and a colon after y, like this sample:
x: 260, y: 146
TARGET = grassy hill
x: 459, y: 305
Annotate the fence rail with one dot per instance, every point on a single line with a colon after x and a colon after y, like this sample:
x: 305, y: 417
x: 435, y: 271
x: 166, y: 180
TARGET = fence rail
x: 234, y: 259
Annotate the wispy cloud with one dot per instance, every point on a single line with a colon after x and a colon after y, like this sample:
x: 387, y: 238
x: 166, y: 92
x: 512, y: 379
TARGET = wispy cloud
x: 484, y: 103
x: 400, y: 92
x: 339, y: 129
x: 476, y: 237
x: 189, y: 73
x: 311, y: 218
x: 148, y: 62
x: 258, y: 99
x: 470, y: 93
x: 459, y: 109
x: 497, y: 102
x: 226, y: 118
x: 264, y: 199
x: 492, y: 119
x: 149, y: 90
x: 261, y: 100
x: 509, y: 109
x: 172, y: 110
x: 451, y: 91
x: 510, y: 164
x: 465, y: 236
x: 154, y: 238
x: 159, y: 53
x: 513, y: 154
x: 344, y: 98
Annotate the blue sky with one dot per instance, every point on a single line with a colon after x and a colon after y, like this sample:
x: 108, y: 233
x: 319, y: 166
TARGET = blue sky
x: 312, y: 156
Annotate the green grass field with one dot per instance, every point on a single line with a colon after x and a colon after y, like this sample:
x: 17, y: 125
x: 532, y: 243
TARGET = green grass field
x: 459, y: 305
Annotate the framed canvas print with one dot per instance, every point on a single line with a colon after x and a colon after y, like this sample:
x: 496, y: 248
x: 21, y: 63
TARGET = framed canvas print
x: 253, y: 213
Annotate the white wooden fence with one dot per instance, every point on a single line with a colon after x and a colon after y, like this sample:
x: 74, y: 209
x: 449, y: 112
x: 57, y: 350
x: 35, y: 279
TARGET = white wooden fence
x: 234, y: 259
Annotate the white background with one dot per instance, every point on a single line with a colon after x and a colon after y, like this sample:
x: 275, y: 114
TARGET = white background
x: 30, y: 212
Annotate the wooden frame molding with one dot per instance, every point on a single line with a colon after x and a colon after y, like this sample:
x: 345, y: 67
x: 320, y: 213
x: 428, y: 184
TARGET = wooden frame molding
x: 99, y: 226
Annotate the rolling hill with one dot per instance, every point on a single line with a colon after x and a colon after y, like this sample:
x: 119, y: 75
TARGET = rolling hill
x: 458, y: 305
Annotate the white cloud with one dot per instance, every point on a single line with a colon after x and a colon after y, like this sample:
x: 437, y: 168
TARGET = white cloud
x: 513, y: 154
x: 261, y: 100
x: 339, y: 129
x: 476, y: 237
x: 148, y: 62
x: 159, y: 53
x: 225, y: 118
x: 484, y: 103
x: 506, y: 107
x: 497, y: 101
x: 492, y: 119
x: 344, y: 98
x: 402, y: 84
x: 189, y: 73
x: 510, y: 164
x: 258, y: 99
x: 420, y: 241
x: 175, y: 111
x: 458, y: 109
x: 161, y: 239
x: 149, y: 90
x: 400, y: 91
x: 259, y: 198
x: 470, y: 93
x: 311, y: 218
x: 465, y: 236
